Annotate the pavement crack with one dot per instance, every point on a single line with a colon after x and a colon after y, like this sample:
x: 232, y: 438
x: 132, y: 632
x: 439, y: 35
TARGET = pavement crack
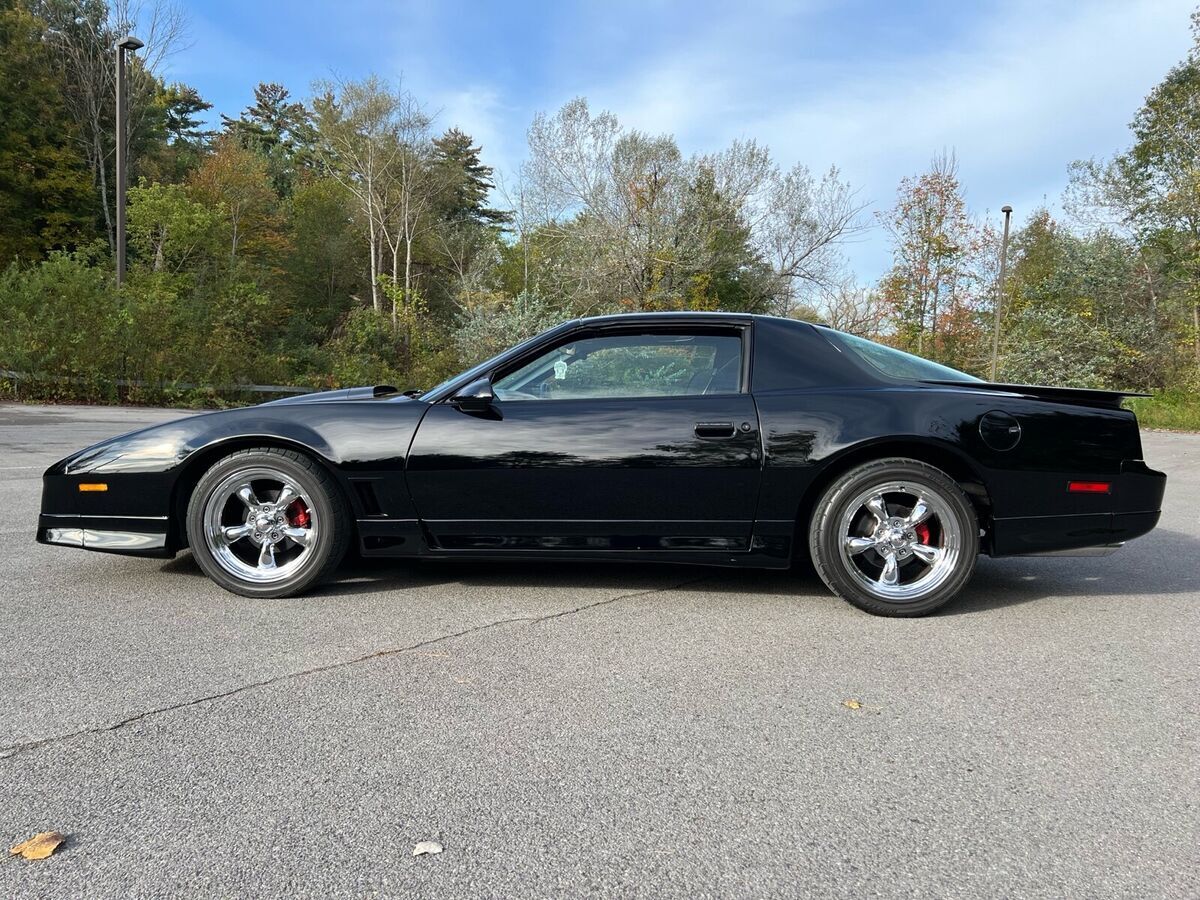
x: 8, y: 752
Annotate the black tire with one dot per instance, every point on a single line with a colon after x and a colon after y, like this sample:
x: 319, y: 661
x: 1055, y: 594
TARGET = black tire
x: 323, y: 501
x: 842, y: 524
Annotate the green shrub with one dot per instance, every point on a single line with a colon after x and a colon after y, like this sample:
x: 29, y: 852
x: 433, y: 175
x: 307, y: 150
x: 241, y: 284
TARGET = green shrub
x: 59, y: 321
x: 1174, y: 410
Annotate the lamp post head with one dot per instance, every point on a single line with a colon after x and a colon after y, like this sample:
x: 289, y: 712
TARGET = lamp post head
x: 1006, y: 209
x: 129, y: 42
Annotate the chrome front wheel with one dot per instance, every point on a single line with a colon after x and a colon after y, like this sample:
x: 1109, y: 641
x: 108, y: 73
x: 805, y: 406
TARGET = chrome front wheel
x: 260, y: 526
x: 268, y: 522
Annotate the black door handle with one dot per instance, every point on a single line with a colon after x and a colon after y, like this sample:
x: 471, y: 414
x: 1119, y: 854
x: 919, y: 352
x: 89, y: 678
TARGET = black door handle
x: 714, y: 429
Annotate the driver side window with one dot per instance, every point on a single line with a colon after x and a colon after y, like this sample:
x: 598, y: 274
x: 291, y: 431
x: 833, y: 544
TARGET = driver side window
x: 629, y: 365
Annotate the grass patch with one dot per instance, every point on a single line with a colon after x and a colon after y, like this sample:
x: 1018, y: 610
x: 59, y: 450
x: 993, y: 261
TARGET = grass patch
x: 1173, y: 410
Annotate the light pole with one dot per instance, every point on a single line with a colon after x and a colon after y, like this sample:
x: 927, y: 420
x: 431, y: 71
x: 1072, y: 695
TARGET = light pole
x: 126, y: 45
x: 1007, y: 210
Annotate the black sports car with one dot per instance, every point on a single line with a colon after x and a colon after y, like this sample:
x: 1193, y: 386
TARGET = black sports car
x: 725, y: 439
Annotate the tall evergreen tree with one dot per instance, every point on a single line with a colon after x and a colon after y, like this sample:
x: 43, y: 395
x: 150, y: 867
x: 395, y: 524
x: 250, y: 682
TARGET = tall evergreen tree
x: 174, y: 139
x: 468, y: 182
x: 723, y: 269
x: 278, y: 128
x: 183, y: 107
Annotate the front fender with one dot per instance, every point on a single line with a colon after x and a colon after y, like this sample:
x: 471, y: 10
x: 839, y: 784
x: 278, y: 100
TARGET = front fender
x: 140, y: 470
x: 161, y: 448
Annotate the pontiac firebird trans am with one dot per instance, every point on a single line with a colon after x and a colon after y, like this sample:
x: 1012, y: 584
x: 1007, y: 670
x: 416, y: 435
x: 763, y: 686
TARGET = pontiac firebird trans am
x: 714, y: 438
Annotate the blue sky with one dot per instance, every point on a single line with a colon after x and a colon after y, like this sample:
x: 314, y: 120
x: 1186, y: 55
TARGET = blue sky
x: 1016, y: 89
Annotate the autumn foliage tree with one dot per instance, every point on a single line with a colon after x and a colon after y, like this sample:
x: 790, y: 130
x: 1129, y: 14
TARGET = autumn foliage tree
x: 236, y: 181
x: 938, y: 281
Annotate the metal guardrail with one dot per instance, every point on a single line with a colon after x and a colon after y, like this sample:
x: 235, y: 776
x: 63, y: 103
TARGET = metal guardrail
x: 180, y: 385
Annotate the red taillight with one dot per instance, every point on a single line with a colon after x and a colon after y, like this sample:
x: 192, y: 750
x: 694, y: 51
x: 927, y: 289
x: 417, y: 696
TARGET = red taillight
x: 1089, y: 487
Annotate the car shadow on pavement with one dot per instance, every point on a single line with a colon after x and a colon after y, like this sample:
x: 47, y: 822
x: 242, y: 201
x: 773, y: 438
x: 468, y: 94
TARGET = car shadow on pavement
x: 1161, y: 564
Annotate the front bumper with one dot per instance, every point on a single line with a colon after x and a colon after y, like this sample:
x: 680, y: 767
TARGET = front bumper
x: 135, y: 536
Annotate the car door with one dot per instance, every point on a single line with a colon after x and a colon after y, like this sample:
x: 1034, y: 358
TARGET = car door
x: 618, y: 440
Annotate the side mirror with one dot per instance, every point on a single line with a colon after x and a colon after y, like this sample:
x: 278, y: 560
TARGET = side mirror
x: 476, y: 396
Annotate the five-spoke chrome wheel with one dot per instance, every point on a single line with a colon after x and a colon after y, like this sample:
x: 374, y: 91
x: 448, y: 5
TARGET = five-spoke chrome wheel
x: 899, y: 540
x: 894, y: 536
x: 260, y: 525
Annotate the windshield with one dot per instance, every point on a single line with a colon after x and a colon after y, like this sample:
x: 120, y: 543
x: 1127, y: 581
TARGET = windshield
x: 896, y: 363
x: 476, y: 371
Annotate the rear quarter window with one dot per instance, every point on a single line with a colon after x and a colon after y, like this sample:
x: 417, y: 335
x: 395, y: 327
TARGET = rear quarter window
x: 896, y: 363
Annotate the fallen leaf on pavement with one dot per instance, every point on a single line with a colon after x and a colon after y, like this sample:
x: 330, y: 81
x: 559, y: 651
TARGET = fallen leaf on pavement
x: 427, y: 847
x: 851, y: 704
x: 39, y: 846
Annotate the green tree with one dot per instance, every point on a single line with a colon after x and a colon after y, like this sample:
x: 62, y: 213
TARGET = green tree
x: 178, y: 140
x: 466, y: 236
x: 356, y: 128
x: 81, y: 34
x: 1153, y: 189
x: 45, y: 191
x: 1080, y: 311
x: 278, y: 128
x: 324, y: 266
x: 725, y: 270
x: 467, y: 182
x: 169, y: 231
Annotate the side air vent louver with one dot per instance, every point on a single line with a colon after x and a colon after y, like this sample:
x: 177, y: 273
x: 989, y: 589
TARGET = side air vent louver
x: 367, y: 498
x: 999, y: 430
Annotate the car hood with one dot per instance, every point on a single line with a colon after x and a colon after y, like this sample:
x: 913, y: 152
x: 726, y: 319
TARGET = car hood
x: 165, y: 445
x: 373, y: 392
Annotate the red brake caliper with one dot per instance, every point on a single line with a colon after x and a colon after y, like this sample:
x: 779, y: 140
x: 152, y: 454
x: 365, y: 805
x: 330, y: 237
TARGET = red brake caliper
x: 923, y: 533
x: 297, y: 514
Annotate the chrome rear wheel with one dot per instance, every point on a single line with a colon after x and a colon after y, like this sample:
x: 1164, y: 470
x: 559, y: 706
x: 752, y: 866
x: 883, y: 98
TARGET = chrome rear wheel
x: 895, y: 537
x: 900, y: 541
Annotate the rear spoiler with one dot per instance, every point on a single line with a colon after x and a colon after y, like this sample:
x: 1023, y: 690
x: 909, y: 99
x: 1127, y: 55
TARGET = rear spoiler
x: 1086, y: 396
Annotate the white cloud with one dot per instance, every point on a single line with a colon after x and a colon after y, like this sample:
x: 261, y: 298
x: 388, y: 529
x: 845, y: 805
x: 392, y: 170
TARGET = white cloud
x: 1018, y: 89
x: 480, y: 112
x: 1029, y: 89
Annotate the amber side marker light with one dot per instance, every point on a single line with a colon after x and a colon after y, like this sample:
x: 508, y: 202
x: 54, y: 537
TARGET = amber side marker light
x: 1089, y: 487
x: 93, y: 487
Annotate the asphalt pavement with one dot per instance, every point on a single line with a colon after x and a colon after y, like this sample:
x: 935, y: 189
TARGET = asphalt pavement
x: 607, y: 730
